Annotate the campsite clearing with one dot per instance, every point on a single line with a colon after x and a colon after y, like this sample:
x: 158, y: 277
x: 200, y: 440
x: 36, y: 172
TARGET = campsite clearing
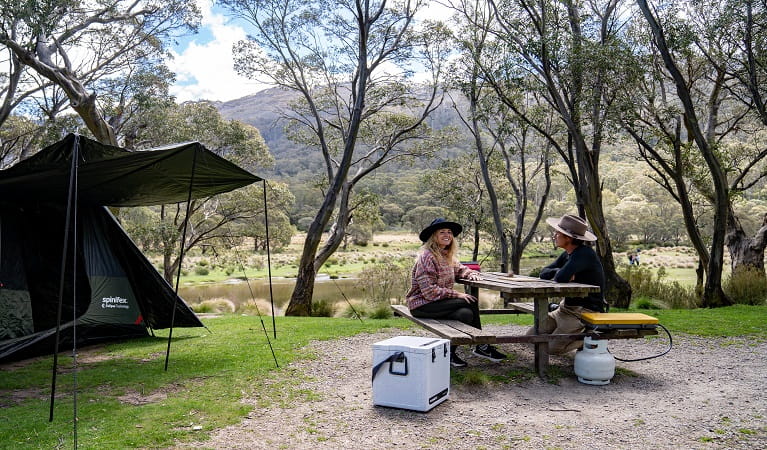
x: 705, y: 394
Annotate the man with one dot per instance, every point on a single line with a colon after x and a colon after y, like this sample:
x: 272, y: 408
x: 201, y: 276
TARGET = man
x: 578, y: 263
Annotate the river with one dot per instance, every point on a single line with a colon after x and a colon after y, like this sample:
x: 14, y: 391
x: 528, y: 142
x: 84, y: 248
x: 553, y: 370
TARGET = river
x: 335, y: 291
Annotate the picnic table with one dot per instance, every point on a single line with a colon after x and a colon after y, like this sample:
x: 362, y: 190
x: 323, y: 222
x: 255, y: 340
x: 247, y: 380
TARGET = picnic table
x: 521, y: 287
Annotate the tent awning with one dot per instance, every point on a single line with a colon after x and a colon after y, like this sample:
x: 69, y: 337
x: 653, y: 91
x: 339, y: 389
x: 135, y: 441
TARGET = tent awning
x: 113, y: 176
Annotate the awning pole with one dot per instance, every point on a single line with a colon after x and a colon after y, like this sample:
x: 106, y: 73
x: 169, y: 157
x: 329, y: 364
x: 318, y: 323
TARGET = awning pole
x: 269, y: 259
x: 181, y: 257
x: 71, y: 212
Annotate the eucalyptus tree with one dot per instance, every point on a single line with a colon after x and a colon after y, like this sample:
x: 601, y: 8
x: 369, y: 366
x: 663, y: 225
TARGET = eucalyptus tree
x: 352, y: 63
x: 572, y: 55
x: 72, y: 44
x: 733, y: 38
x: 691, y: 43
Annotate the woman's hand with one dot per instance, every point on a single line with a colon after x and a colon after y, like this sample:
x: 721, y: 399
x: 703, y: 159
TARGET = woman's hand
x: 468, y: 297
x: 474, y: 276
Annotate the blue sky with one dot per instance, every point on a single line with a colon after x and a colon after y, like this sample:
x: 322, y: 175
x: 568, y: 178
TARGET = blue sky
x: 203, y: 62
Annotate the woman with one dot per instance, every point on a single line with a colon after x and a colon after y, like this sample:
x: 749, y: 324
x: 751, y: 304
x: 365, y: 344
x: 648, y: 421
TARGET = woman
x: 578, y: 263
x: 431, y: 293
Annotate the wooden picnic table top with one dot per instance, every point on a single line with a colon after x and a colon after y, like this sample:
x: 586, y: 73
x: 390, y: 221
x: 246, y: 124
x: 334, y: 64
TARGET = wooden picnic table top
x: 527, y: 287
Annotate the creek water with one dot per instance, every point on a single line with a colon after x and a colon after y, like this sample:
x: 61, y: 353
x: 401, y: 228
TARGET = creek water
x: 332, y: 290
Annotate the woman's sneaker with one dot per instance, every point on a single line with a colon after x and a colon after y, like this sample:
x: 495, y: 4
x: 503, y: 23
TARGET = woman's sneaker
x: 487, y: 351
x: 456, y: 361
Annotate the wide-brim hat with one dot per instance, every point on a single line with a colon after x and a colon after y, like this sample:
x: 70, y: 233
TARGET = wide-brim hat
x: 438, y: 224
x: 572, y: 226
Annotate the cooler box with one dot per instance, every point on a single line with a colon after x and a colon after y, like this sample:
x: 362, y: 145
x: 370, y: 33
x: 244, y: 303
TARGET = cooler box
x: 411, y: 372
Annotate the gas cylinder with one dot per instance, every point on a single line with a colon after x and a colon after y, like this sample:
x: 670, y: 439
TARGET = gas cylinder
x: 594, y: 364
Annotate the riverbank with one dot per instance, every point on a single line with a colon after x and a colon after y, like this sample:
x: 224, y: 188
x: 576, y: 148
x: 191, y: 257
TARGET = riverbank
x: 399, y: 247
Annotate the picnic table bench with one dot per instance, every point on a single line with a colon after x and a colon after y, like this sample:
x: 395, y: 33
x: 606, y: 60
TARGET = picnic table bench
x: 540, y: 291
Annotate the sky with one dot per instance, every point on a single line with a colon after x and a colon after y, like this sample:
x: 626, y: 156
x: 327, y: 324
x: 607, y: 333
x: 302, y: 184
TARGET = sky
x: 203, y: 62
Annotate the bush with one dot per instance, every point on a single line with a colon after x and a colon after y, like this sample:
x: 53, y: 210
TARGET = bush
x: 381, y: 311
x: 201, y: 270
x: 382, y: 282
x: 646, y: 303
x: 348, y: 310
x: 648, y: 286
x: 214, y: 305
x: 322, y: 308
x: 747, y: 286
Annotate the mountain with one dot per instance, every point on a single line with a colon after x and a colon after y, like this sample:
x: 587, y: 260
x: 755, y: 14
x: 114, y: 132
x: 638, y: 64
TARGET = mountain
x: 263, y: 109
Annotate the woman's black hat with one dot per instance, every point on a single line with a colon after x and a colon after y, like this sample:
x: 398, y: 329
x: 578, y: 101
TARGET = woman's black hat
x: 438, y: 224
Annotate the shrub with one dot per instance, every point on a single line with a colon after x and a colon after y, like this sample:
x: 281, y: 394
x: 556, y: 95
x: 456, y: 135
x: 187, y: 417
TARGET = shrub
x: 201, y: 270
x: 646, y: 303
x: 214, y: 305
x: 349, y: 310
x: 381, y: 311
x: 256, y: 307
x: 322, y: 308
x: 382, y: 282
x: 646, y: 285
x: 747, y: 286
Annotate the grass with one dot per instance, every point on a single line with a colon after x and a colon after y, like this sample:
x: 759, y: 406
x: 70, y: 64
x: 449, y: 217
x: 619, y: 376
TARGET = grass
x: 126, y: 399
x: 730, y: 321
x: 209, y: 372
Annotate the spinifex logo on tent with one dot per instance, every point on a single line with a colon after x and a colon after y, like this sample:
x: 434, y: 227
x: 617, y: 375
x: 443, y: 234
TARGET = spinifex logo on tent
x: 115, y: 302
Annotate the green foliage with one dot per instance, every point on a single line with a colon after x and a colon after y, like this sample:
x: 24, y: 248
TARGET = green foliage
x: 352, y: 311
x: 214, y: 306
x: 645, y: 303
x: 323, y: 308
x: 381, y: 311
x: 383, y: 282
x: 645, y: 284
x: 747, y: 286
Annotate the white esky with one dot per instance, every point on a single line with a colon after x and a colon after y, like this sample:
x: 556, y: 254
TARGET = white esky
x: 203, y: 63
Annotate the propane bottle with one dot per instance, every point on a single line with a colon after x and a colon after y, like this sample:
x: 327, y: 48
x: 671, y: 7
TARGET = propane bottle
x: 594, y: 364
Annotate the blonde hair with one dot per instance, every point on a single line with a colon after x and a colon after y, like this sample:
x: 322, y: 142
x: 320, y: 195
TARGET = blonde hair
x: 431, y: 245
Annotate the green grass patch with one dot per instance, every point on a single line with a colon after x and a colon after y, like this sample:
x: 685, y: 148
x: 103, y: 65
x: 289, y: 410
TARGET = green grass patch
x: 730, y: 321
x: 125, y: 398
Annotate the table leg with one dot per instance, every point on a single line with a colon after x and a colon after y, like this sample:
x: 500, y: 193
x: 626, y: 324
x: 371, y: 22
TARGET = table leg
x: 541, y: 348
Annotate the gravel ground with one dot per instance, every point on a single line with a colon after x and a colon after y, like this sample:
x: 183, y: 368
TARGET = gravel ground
x: 703, y: 394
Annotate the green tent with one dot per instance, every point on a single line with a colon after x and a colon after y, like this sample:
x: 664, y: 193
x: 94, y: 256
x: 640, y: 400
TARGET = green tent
x: 115, y: 292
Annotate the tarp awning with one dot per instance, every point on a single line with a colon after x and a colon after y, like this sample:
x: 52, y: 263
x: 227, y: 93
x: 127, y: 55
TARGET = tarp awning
x: 113, y: 176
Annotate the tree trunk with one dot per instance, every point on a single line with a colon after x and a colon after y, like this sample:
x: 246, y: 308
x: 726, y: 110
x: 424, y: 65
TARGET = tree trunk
x: 475, y: 249
x: 492, y: 196
x: 746, y: 252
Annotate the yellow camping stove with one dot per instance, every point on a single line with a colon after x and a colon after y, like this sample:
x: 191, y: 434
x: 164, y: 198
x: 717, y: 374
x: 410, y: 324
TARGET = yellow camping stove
x: 595, y: 364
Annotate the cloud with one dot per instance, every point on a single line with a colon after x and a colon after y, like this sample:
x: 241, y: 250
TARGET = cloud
x: 204, y: 68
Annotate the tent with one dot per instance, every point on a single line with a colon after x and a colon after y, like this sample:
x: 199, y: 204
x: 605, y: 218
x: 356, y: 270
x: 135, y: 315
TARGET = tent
x: 117, y: 292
